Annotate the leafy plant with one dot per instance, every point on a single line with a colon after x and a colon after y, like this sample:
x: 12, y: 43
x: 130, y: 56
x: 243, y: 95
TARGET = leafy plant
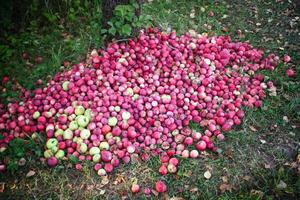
x: 124, y: 21
x: 19, y: 148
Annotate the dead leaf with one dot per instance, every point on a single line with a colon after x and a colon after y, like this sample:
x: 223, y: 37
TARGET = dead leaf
x: 89, y: 187
x: 102, y: 192
x: 285, y: 118
x: 281, y: 185
x: 267, y: 166
x: 228, y: 153
x: 298, y: 158
x: 192, y: 15
x: 2, y: 187
x: 258, y: 193
x: 252, y: 128
x: 176, y: 198
x: 94, y: 53
x: 30, y: 173
x: 119, y: 179
x: 154, y: 192
x: 104, y: 180
x: 195, y: 189
x: 225, y: 179
x: 22, y: 162
x: 207, y: 174
x: 263, y: 141
x: 225, y: 187
x: 13, y: 186
x: 247, y: 178
x: 224, y: 29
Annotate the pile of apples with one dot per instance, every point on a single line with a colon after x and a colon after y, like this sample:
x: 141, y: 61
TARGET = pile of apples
x: 139, y: 97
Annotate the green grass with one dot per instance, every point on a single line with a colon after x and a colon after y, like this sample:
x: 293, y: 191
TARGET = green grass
x: 253, y: 168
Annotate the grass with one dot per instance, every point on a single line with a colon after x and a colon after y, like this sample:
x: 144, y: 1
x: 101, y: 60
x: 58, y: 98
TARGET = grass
x: 256, y: 157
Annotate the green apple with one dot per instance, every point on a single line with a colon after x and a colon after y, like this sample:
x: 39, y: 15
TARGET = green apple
x: 79, y: 110
x: 79, y: 140
x: 129, y: 92
x: 104, y: 145
x: 85, y: 134
x: 48, y: 114
x: 121, y: 60
x: 48, y: 153
x: 71, y: 117
x: 96, y: 157
x: 73, y: 125
x: 101, y: 172
x: 175, y: 132
x: 125, y: 115
x: 83, y: 148
x: 54, y: 149
x: 68, y: 134
x: 58, y: 132
x: 52, y: 142
x: 88, y: 113
x: 36, y: 115
x: 83, y: 121
x: 117, y: 139
x: 74, y: 104
x: 60, y: 154
x: 108, y: 136
x: 112, y: 121
x: 135, y: 97
x: 117, y: 108
x: 75, y: 139
x: 65, y: 85
x: 94, y: 150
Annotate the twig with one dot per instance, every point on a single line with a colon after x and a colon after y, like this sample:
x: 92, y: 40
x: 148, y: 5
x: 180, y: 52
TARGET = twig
x: 121, y: 40
x: 170, y: 46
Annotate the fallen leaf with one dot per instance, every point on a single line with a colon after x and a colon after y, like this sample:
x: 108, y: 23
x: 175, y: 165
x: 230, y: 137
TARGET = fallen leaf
x: 89, y: 187
x: 30, y: 173
x: 119, y: 179
x: 94, y: 53
x: 225, y: 179
x: 176, y: 198
x: 104, y: 180
x: 247, y: 178
x: 2, y: 186
x: 195, y: 189
x: 22, y: 162
x: 267, y: 166
x: 281, y: 185
x: 13, y: 186
x: 228, y: 153
x: 102, y: 192
x: 285, y: 118
x: 298, y: 158
x: 154, y: 192
x: 207, y: 174
x: 263, y: 141
x: 192, y: 15
x: 258, y: 193
x: 252, y: 128
x: 225, y: 187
